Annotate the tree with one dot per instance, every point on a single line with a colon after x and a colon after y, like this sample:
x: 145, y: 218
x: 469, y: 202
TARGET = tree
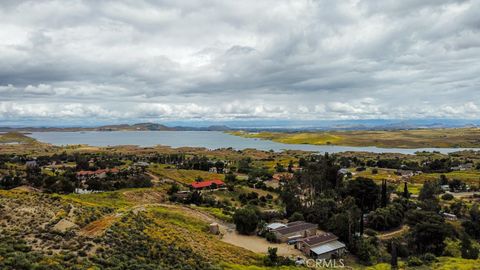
x: 272, y: 255
x: 472, y: 226
x: 468, y: 251
x: 366, y: 250
x: 246, y: 220
x: 279, y: 168
x: 428, y: 237
x: 297, y: 216
x: 173, y: 189
x: 394, y: 260
x: 290, y: 166
x: 406, y: 194
x: 384, y: 195
x: 365, y: 192
x: 230, y: 178
x: 428, y: 191
x: 288, y: 195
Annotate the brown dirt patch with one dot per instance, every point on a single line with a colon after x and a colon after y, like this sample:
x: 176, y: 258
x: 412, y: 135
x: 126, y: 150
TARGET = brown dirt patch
x: 98, y: 227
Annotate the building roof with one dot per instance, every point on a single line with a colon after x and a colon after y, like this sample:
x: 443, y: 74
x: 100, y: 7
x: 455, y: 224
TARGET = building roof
x: 316, y: 240
x: 328, y: 247
x: 207, y: 183
x: 141, y: 164
x: 275, y: 225
x: 280, y: 176
x: 114, y: 170
x: 297, y: 227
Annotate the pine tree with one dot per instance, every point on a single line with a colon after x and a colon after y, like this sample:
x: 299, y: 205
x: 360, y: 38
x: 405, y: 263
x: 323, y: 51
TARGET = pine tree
x: 406, y: 194
x: 361, y: 223
x: 394, y: 261
x: 384, y: 199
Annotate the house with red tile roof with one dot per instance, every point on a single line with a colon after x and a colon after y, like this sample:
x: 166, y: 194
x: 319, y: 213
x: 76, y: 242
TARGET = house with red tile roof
x: 207, y: 184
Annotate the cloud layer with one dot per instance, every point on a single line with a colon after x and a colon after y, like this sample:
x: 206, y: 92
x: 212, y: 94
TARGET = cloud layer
x: 213, y: 59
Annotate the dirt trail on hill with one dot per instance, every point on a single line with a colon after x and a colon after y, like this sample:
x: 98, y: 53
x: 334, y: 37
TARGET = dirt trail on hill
x: 228, y: 233
x: 155, y: 178
x: 392, y: 234
x: 99, y: 226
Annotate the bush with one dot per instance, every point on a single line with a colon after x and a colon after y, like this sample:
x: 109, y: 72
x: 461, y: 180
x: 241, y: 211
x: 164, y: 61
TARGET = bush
x: 429, y: 258
x: 297, y: 216
x: 447, y: 197
x: 271, y: 237
x: 246, y: 220
x: 414, y: 261
x: 370, y: 232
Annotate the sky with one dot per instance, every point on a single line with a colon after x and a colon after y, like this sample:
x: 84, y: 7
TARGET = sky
x: 92, y: 61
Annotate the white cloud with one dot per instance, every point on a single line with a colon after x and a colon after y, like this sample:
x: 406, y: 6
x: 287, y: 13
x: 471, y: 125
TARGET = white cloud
x: 239, y: 59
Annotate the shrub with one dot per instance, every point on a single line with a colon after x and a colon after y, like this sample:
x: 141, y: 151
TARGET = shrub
x: 246, y: 220
x: 414, y: 261
x: 271, y: 237
x: 429, y: 258
x: 447, y: 197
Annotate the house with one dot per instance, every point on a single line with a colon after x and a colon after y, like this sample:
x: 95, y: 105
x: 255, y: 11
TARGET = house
x: 462, y: 167
x: 213, y: 170
x: 449, y: 216
x: 294, y: 230
x: 82, y: 175
x: 31, y: 164
x: 141, y: 164
x: 445, y: 187
x: 282, y: 176
x: 274, y: 226
x: 207, y: 184
x: 405, y: 173
x: 323, y: 246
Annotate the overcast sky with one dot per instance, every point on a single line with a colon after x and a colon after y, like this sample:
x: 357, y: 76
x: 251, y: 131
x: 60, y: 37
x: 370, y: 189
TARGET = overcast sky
x: 94, y: 61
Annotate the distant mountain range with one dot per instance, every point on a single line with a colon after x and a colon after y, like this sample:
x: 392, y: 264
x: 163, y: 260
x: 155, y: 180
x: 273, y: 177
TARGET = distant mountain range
x: 121, y: 127
x: 280, y: 126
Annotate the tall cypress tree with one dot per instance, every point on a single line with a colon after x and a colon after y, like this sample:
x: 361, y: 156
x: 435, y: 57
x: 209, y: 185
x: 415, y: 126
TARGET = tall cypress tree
x: 384, y: 199
x: 361, y: 223
x: 406, y: 194
x: 394, y: 261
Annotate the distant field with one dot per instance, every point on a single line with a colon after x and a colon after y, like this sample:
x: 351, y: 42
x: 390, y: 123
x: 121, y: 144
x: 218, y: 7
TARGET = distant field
x: 419, y: 138
x: 182, y: 176
x: 470, y: 177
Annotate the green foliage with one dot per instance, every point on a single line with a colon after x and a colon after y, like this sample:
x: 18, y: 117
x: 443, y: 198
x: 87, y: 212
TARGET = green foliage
x: 246, y: 220
x: 297, y: 216
x: 386, y: 218
x: 271, y: 237
x: 447, y: 197
x: 429, y: 191
x: 366, y: 250
x: 365, y: 192
x: 467, y: 249
x: 414, y: 261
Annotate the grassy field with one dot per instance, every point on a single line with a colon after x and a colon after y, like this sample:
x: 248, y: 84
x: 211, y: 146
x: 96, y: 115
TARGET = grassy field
x: 419, y: 138
x: 470, y: 177
x: 15, y: 137
x: 182, y: 176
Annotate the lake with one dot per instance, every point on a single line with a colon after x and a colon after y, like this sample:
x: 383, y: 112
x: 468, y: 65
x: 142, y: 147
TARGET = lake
x: 207, y: 139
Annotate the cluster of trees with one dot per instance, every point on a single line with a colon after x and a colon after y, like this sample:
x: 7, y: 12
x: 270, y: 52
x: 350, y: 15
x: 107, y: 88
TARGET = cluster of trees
x: 320, y: 195
x: 437, y: 165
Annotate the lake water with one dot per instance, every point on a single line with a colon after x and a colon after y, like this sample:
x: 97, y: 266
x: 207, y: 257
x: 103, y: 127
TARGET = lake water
x: 207, y: 139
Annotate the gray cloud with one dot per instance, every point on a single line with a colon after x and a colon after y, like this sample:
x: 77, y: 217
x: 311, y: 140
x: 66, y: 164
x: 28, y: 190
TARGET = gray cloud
x: 165, y: 60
